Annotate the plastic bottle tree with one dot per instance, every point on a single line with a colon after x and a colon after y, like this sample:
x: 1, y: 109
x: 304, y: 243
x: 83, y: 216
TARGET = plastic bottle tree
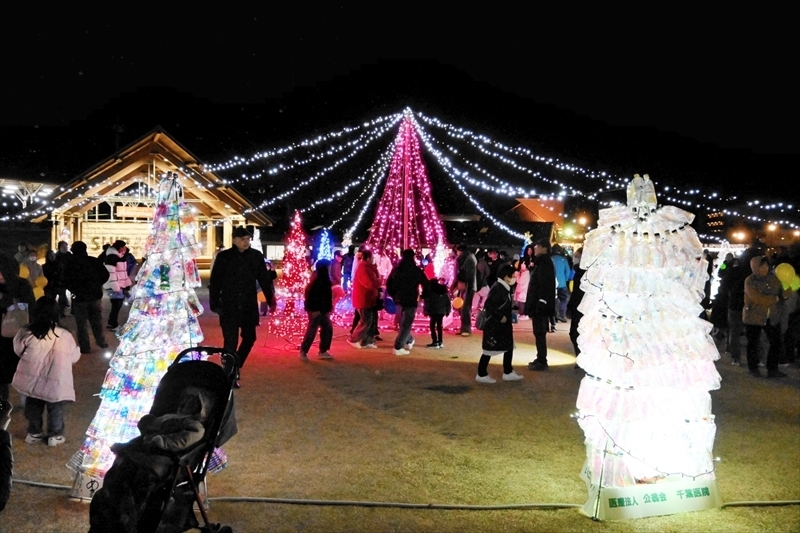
x: 291, y: 321
x: 644, y: 404
x: 162, y: 322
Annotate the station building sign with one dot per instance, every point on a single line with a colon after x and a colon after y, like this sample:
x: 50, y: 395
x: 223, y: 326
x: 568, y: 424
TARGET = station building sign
x: 135, y: 235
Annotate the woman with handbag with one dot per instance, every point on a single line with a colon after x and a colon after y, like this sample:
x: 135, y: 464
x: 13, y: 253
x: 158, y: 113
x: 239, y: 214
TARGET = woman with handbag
x: 13, y: 291
x: 498, y: 332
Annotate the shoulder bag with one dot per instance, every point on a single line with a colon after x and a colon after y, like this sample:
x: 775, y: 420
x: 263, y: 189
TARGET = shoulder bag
x: 480, y: 320
x: 14, y: 319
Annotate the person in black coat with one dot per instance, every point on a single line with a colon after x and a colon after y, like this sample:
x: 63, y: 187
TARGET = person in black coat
x: 84, y: 277
x: 540, y: 303
x: 63, y: 258
x: 319, y: 304
x: 232, y: 293
x: 13, y: 290
x: 436, y: 305
x: 498, y: 331
x: 405, y: 284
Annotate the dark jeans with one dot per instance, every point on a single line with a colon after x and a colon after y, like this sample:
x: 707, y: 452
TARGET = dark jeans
x: 357, y: 318
x: 113, y: 315
x: 773, y: 337
x: 436, y: 328
x: 320, y: 322
x: 34, y: 411
x: 541, y: 324
x: 562, y: 294
x: 404, y: 337
x: 364, y: 333
x: 63, y: 302
x: 230, y: 336
x: 466, y: 311
x: 483, y: 364
x: 791, y: 339
x: 83, y: 311
x: 573, y: 330
x: 735, y: 327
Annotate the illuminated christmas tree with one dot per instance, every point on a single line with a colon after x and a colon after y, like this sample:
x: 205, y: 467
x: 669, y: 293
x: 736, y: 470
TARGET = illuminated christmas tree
x: 406, y: 216
x: 290, y: 321
x: 162, y: 322
x: 644, y: 404
x: 324, y: 250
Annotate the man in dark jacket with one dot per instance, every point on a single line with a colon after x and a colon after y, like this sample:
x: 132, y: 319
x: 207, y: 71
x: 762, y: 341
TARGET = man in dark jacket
x: 63, y: 258
x: 540, y: 303
x: 232, y: 293
x: 403, y: 285
x: 84, y: 276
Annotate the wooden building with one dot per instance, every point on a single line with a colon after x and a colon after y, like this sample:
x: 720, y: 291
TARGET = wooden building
x: 115, y: 199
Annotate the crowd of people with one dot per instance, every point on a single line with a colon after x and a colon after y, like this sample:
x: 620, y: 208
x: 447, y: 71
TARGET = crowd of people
x: 535, y: 286
x: 36, y: 352
x: 750, y: 300
x: 543, y: 287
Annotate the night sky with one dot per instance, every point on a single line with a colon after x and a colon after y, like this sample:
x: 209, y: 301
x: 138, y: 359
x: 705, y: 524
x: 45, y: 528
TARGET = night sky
x: 703, y: 98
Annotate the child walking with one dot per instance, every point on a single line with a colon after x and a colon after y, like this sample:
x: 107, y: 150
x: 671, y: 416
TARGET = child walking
x: 436, y: 306
x: 319, y: 304
x: 46, y: 354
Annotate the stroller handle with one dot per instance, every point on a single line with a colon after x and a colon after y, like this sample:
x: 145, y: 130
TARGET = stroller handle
x: 230, y: 360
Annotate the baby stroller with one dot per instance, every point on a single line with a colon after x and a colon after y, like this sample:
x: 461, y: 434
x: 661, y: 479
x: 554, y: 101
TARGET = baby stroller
x: 155, y: 479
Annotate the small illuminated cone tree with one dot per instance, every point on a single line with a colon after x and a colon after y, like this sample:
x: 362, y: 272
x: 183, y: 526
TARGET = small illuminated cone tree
x: 324, y: 249
x: 162, y: 322
x: 290, y: 322
x: 644, y: 404
x: 406, y: 216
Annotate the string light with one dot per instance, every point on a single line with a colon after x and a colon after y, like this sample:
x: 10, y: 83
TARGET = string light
x: 454, y: 173
x: 319, y: 174
x: 305, y: 143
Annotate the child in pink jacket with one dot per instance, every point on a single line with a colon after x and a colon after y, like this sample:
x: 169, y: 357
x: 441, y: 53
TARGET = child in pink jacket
x: 44, y: 374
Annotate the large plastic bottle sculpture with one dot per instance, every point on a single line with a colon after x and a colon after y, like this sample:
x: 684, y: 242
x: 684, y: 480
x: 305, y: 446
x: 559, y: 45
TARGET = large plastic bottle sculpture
x: 644, y: 404
x: 162, y: 322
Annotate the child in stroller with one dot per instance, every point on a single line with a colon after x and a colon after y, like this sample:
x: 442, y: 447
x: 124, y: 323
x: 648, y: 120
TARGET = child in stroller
x: 154, y: 481
x: 176, y: 432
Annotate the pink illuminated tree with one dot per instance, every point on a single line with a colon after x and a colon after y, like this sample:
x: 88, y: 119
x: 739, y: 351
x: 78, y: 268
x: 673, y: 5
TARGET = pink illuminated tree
x: 290, y: 321
x: 406, y: 216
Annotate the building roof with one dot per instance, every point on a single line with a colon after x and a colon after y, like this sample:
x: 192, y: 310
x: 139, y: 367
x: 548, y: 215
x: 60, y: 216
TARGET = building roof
x: 143, y: 162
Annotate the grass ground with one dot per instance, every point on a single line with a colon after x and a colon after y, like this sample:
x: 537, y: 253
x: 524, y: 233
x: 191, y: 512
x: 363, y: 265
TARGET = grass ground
x: 372, y: 428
